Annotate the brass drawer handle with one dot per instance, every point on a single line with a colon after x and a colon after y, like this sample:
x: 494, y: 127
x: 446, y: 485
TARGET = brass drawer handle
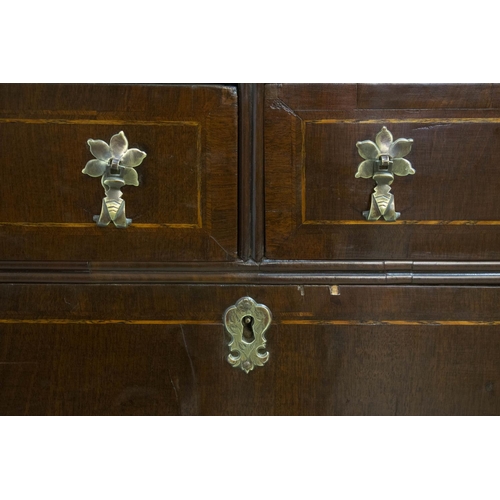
x: 383, y: 159
x: 247, y: 322
x: 115, y: 164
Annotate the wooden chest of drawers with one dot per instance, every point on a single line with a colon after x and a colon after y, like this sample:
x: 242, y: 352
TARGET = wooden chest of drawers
x: 249, y: 191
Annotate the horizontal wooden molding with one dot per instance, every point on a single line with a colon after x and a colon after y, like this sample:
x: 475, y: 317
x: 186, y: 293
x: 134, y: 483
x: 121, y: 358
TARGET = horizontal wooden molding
x: 317, y: 322
x: 267, y: 272
x: 242, y: 278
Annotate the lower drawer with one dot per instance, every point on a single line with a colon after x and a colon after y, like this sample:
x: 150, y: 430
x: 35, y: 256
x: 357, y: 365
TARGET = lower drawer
x: 162, y: 350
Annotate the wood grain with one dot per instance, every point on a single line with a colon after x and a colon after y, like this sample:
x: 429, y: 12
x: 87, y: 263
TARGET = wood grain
x: 314, y: 203
x: 387, y: 96
x: 205, y: 304
x: 188, y: 182
x: 368, y: 319
x: 251, y: 172
x: 366, y: 351
x: 430, y: 96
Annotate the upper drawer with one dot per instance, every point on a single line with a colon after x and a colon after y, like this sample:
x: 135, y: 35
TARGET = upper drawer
x: 185, y: 206
x: 314, y: 203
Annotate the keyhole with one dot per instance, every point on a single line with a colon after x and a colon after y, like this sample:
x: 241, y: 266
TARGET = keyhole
x: 248, y: 328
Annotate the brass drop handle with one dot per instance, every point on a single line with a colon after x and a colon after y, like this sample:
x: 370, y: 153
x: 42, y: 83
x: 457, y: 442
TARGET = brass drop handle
x: 115, y: 164
x: 246, y: 322
x: 382, y: 160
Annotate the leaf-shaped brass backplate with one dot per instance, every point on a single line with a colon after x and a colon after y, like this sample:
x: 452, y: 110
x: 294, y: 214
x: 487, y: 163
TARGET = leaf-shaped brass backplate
x: 382, y: 160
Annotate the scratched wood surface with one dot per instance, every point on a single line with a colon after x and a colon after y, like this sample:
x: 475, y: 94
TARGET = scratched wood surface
x: 204, y: 304
x: 313, y: 370
x: 146, y: 350
x: 111, y: 322
x: 185, y: 208
x: 314, y: 203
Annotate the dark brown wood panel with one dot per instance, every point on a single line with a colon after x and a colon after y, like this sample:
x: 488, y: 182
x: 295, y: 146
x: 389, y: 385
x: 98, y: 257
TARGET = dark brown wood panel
x: 62, y: 194
x: 421, y: 96
x: 314, y: 203
x: 100, y: 370
x: 205, y: 304
x: 251, y: 171
x: 387, y: 370
x: 181, y: 370
x: 447, y: 156
x: 319, y: 96
x: 161, y: 350
x: 323, y: 96
x: 185, y: 208
x: 109, y: 100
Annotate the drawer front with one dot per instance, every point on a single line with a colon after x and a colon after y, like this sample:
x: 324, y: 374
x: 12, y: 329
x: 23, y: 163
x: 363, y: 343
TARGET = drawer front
x: 315, y: 204
x: 185, y: 206
x: 373, y: 350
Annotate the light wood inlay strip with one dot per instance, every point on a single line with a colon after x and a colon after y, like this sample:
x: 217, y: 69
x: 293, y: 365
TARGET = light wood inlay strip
x: 198, y: 175
x: 64, y: 121
x: 381, y: 121
x: 303, y: 171
x: 342, y: 322
x: 93, y: 225
x: 318, y: 322
x: 109, y: 322
x: 405, y: 222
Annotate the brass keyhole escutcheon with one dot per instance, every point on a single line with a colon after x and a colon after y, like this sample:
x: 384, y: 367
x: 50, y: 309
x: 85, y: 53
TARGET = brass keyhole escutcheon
x: 247, y: 322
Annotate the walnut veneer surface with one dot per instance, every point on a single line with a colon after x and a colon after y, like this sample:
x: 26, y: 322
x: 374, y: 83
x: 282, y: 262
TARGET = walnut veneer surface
x: 249, y: 190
